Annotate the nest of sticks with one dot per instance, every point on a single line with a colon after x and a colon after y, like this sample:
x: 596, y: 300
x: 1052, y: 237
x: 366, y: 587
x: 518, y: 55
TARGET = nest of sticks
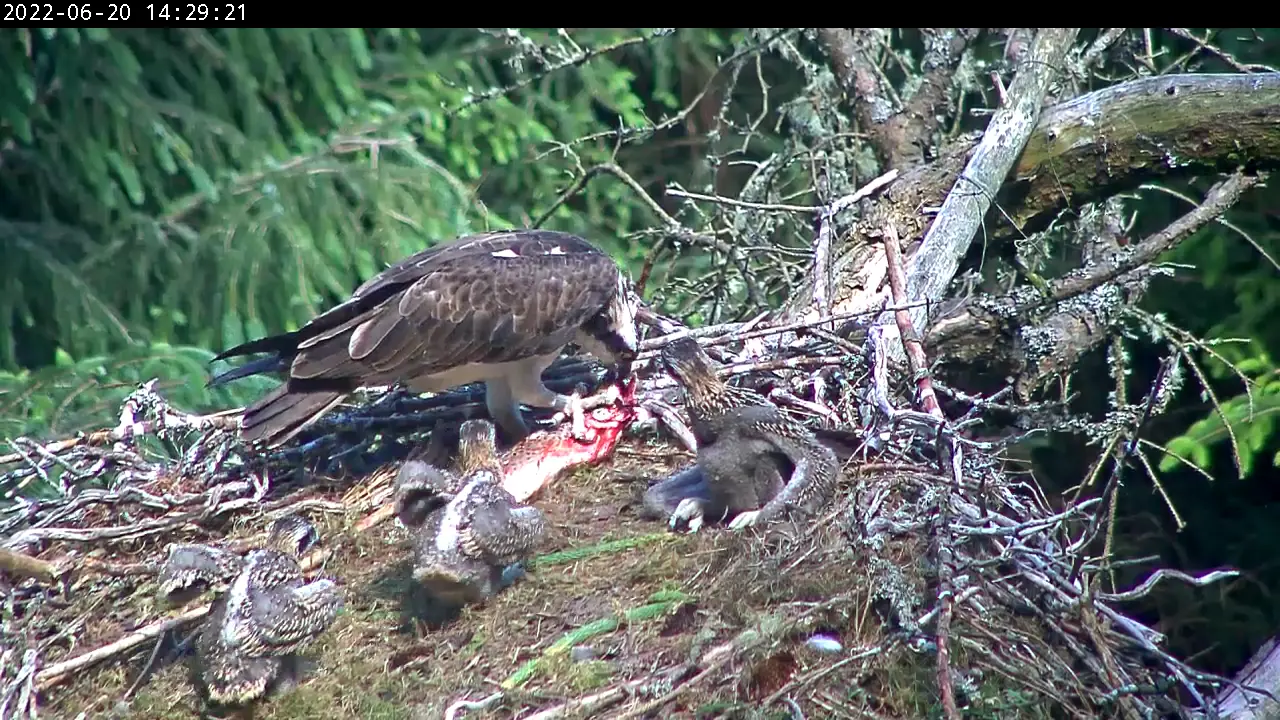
x: 935, y: 562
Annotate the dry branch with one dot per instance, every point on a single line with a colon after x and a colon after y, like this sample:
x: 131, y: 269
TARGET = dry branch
x: 59, y: 672
x: 918, y: 366
x: 899, y: 137
x: 1045, y: 347
x: 1113, y: 139
x: 1098, y: 144
x: 934, y: 263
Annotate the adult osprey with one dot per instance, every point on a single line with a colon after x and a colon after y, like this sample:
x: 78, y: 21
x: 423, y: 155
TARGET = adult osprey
x: 496, y: 307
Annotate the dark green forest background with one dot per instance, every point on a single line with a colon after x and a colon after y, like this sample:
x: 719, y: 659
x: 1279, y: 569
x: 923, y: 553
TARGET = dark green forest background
x: 168, y: 193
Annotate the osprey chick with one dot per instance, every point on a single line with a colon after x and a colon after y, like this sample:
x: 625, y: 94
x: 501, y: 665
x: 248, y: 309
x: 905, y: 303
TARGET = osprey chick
x: 266, y: 612
x: 422, y: 488
x: 495, y: 307
x: 754, y: 462
x: 469, y: 533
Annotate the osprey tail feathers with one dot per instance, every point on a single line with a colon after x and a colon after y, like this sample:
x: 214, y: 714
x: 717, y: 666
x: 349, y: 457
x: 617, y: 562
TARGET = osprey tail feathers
x: 281, y: 414
x: 257, y: 367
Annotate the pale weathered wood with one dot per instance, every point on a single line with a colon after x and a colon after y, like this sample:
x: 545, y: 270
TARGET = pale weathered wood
x: 1113, y: 139
x: 1262, y: 672
x: 1082, y: 150
x: 931, y: 269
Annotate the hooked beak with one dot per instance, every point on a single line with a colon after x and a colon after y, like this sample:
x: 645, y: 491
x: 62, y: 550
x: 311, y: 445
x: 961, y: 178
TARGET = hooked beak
x: 623, y: 368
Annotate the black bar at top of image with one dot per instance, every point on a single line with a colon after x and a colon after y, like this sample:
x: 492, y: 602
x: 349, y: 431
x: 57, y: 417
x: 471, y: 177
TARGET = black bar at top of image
x: 53, y: 14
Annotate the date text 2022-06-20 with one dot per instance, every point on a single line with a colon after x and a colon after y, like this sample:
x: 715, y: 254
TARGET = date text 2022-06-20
x: 97, y: 13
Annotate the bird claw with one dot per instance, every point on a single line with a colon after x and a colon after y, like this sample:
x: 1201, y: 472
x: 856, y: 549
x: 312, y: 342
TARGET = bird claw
x: 688, y: 512
x: 745, y: 520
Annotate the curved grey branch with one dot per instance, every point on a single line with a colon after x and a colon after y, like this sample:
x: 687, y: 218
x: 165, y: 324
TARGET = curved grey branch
x: 931, y: 269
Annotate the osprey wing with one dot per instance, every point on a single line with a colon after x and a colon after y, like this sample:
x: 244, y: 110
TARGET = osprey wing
x: 492, y: 298
x: 477, y: 300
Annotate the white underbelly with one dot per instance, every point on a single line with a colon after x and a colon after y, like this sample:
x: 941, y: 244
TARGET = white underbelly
x: 476, y: 372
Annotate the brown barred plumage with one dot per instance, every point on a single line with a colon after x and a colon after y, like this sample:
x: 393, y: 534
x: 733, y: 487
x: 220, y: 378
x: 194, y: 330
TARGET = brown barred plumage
x: 266, y: 614
x: 471, y: 531
x: 754, y: 462
x: 496, y: 307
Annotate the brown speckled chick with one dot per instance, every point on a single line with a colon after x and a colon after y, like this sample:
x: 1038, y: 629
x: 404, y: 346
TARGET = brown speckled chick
x: 469, y: 533
x: 266, y: 613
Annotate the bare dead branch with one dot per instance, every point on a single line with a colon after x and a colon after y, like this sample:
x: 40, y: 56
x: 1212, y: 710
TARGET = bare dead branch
x: 899, y: 135
x: 917, y: 363
x: 934, y: 264
x: 1095, y: 145
x: 1113, y: 139
x: 1079, y: 323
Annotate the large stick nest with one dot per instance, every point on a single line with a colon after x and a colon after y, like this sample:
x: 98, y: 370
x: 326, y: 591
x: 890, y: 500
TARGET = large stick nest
x: 935, y: 564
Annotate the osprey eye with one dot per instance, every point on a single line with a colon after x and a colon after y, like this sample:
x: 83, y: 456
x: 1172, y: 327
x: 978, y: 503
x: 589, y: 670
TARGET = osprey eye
x: 600, y: 413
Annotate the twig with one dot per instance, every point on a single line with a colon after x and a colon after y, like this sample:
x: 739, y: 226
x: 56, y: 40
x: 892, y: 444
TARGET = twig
x: 645, y: 709
x: 731, y: 202
x: 1220, y: 197
x: 674, y: 423
x: 950, y: 455
x: 1076, y: 325
x: 714, y: 659
x: 1100, y: 46
x: 734, y: 332
x: 576, y: 60
x: 1220, y: 53
x: 822, y: 242
x: 1157, y: 393
x: 146, y: 668
x: 460, y: 707
x: 1150, y: 583
x: 595, y: 702
x: 672, y: 225
x: 56, y: 673
x: 916, y: 360
x: 107, y: 437
x: 818, y: 674
x: 18, y: 691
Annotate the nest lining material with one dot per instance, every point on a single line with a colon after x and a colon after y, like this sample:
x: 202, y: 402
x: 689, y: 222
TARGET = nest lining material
x: 966, y: 571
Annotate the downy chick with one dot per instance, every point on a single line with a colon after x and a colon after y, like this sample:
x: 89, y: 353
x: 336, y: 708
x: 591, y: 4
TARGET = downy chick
x: 469, y: 533
x: 269, y: 612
